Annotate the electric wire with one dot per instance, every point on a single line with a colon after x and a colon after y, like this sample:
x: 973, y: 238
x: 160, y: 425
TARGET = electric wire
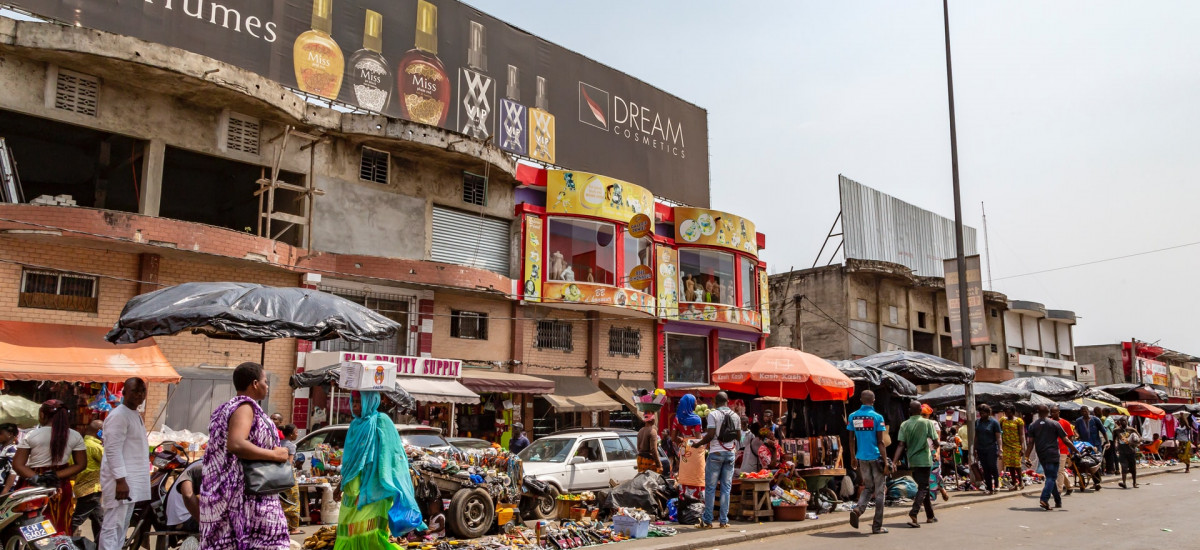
x: 1094, y: 262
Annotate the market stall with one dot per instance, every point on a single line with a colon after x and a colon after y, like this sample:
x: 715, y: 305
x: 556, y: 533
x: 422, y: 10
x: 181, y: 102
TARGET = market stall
x: 573, y: 397
x: 500, y: 405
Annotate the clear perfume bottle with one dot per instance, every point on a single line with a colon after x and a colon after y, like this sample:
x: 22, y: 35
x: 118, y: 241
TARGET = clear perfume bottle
x: 369, y: 73
x: 541, y: 126
x: 424, y: 88
x: 316, y: 57
x: 513, y: 116
x: 477, y: 89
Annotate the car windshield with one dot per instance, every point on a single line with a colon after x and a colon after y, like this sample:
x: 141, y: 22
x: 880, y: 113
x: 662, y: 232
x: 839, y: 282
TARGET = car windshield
x: 548, y: 450
x: 472, y: 444
x: 426, y: 440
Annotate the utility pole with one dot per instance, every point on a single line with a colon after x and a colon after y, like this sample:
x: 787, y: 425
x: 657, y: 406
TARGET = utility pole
x: 987, y: 249
x: 964, y: 307
x: 1136, y: 369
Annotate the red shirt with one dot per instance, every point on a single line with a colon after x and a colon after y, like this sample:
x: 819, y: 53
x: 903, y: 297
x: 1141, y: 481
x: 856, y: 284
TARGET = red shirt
x: 1067, y: 427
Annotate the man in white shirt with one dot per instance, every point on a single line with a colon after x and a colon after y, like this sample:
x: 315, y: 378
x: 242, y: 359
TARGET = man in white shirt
x: 125, y: 472
x: 722, y: 441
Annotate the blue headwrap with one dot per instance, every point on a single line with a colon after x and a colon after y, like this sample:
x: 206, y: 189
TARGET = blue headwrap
x: 686, y: 411
x: 375, y: 454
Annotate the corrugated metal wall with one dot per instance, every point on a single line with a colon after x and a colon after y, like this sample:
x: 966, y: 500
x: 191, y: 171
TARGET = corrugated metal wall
x: 877, y: 226
x: 470, y: 239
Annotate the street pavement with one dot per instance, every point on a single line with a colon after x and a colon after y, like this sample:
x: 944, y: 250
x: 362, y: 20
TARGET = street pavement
x: 1161, y: 514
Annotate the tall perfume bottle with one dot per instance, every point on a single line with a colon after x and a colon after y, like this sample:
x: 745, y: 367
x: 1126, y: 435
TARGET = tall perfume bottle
x: 317, y: 58
x: 541, y: 126
x: 513, y: 116
x: 369, y: 73
x: 424, y: 88
x: 478, y: 90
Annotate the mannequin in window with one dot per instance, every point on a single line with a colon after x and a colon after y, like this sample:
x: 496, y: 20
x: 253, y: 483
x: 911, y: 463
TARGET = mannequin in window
x: 590, y: 277
x: 689, y: 289
x: 568, y: 274
x: 557, y: 265
x: 712, y: 289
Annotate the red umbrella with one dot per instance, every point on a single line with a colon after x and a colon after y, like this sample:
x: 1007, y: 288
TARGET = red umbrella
x: 784, y: 372
x: 1144, y: 410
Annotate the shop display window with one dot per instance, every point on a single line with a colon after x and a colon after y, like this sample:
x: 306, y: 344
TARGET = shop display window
x: 728, y: 350
x: 706, y: 276
x: 581, y: 250
x: 687, y: 359
x: 636, y: 252
x: 749, y: 284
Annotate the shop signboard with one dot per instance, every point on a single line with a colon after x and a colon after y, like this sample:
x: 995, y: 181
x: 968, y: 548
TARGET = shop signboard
x: 979, y: 332
x: 668, y: 281
x: 436, y: 62
x: 405, y: 365
x: 584, y: 194
x: 1182, y: 378
x: 577, y: 292
x: 713, y: 228
x: 640, y: 277
x: 1153, y: 372
x: 1085, y: 373
x: 531, y: 287
x: 640, y: 226
x: 697, y: 311
x: 764, y: 301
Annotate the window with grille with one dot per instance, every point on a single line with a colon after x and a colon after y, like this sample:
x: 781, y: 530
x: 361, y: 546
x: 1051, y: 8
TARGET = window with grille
x: 76, y: 92
x: 554, y: 335
x: 242, y: 133
x: 470, y: 325
x: 393, y: 306
x: 624, y: 341
x: 58, y: 290
x: 374, y: 165
x: 474, y: 189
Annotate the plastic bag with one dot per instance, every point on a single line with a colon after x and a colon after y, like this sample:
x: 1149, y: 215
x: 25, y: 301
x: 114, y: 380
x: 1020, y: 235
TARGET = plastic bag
x: 646, y: 491
x: 672, y: 509
x: 903, y: 487
x: 690, y: 511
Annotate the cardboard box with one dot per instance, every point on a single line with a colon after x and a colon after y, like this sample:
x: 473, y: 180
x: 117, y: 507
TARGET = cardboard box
x: 368, y: 376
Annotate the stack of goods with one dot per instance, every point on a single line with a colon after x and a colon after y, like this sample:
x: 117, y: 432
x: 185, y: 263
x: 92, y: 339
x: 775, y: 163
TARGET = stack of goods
x: 794, y: 497
x: 577, y: 506
x: 631, y: 522
x: 494, y: 470
x: 649, y: 402
x: 761, y: 475
x: 322, y: 539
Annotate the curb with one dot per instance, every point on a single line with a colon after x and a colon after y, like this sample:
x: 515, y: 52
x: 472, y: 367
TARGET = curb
x: 714, y: 539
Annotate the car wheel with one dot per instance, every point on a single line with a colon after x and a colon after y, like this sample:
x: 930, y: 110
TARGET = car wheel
x: 471, y: 513
x: 544, y: 504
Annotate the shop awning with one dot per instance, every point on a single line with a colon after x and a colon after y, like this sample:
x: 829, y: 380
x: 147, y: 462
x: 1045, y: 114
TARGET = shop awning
x: 493, y: 381
x: 622, y: 390
x: 71, y: 353
x: 577, y: 394
x: 437, y: 390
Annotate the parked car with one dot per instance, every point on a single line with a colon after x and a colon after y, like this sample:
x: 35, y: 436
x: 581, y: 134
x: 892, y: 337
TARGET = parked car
x: 576, y: 460
x: 335, y: 436
x: 469, y: 443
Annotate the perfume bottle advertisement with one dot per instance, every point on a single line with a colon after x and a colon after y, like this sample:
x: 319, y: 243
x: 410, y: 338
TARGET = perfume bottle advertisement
x: 439, y: 63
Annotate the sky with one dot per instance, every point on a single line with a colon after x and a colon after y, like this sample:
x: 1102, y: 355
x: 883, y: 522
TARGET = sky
x: 1076, y: 128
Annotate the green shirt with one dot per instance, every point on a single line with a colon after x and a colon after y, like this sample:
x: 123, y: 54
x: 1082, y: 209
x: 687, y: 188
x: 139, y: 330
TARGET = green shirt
x: 916, y: 433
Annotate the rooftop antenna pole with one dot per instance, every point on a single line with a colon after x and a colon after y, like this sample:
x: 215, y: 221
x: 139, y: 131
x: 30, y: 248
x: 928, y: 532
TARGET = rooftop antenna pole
x: 987, y: 249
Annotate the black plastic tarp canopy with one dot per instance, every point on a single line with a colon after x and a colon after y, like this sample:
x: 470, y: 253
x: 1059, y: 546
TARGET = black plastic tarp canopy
x: 994, y: 395
x: 1052, y: 387
x: 876, y: 380
x: 919, y: 368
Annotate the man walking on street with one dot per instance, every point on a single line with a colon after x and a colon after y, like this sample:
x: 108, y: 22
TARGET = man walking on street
x: 1046, y: 436
x: 722, y: 440
x: 1091, y: 431
x: 1127, y: 441
x: 87, y: 483
x: 1064, y: 450
x: 866, y: 438
x: 914, y: 437
x: 125, y: 472
x: 987, y: 448
x: 1110, y: 453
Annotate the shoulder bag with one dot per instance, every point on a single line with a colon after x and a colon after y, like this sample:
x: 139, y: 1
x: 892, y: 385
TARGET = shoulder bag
x: 263, y: 477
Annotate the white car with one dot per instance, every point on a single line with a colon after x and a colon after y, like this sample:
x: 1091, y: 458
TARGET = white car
x: 579, y: 460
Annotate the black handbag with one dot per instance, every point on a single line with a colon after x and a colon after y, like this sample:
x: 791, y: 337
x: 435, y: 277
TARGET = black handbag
x: 263, y: 477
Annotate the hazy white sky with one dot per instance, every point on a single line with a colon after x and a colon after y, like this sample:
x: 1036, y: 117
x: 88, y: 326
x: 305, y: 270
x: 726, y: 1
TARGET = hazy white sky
x: 1076, y: 125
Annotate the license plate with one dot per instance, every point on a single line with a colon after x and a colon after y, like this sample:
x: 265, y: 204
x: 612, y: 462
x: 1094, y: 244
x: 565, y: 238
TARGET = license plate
x: 35, y: 531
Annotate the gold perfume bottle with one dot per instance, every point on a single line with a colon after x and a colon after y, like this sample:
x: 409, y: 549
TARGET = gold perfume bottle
x: 317, y: 58
x: 424, y: 88
x: 541, y: 126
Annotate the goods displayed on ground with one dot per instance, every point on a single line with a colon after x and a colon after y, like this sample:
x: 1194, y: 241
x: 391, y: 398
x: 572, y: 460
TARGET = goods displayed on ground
x: 479, y: 486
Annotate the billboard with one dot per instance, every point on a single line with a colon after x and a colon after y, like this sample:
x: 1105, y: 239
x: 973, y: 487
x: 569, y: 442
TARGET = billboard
x: 877, y: 226
x: 440, y: 63
x: 598, y: 196
x: 978, y: 319
x: 1153, y: 372
x: 714, y: 228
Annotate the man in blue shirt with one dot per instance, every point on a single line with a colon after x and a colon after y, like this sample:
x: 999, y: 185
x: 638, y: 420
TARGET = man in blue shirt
x: 1091, y: 430
x: 866, y: 438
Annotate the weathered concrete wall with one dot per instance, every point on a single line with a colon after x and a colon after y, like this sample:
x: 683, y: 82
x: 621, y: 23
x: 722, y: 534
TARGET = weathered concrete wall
x: 1106, y: 358
x: 354, y: 218
x: 824, y: 292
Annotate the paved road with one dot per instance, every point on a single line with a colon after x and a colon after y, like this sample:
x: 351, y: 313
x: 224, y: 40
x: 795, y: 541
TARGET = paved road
x: 1111, y: 519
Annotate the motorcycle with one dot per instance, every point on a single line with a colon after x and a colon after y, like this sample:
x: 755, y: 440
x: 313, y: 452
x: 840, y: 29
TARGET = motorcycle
x: 169, y: 459
x: 23, y: 522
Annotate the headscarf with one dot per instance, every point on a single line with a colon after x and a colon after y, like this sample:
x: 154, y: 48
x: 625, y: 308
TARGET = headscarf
x: 375, y: 454
x: 685, y: 413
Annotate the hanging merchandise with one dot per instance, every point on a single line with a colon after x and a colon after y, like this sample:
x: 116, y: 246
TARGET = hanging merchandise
x: 100, y: 403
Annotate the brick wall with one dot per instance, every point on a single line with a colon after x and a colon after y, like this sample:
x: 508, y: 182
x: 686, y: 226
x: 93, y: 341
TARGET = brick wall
x: 497, y: 347
x: 555, y: 362
x: 627, y: 367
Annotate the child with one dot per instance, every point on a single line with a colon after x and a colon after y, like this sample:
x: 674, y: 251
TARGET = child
x: 437, y: 524
x: 291, y: 506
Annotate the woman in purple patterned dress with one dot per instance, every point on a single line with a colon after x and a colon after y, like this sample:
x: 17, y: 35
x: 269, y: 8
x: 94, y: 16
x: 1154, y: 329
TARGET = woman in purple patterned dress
x: 230, y: 519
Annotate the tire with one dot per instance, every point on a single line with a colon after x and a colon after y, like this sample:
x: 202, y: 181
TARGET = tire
x: 13, y: 539
x: 471, y: 513
x: 543, y: 506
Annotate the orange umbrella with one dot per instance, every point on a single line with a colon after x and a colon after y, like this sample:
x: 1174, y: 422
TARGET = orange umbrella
x: 784, y: 372
x: 1144, y: 410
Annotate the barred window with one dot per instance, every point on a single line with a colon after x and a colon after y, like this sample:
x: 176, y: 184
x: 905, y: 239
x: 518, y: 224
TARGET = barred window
x: 396, y: 307
x: 373, y: 166
x: 554, y: 335
x: 471, y: 325
x: 58, y: 290
x: 474, y: 189
x: 624, y: 341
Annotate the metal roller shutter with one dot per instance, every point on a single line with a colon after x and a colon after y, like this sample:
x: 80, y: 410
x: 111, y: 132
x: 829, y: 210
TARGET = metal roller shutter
x: 469, y: 239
